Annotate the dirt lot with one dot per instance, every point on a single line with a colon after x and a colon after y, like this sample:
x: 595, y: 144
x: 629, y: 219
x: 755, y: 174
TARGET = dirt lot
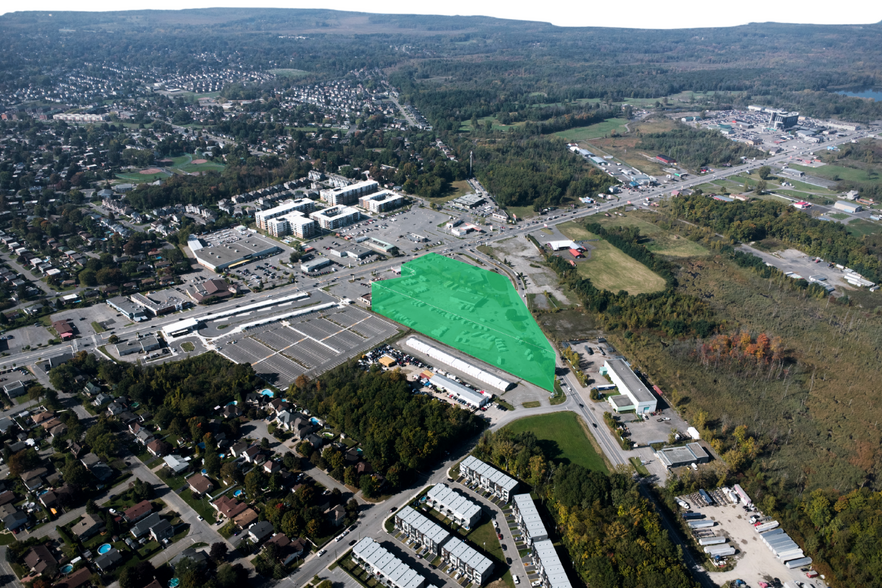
x: 793, y: 260
x: 526, y: 260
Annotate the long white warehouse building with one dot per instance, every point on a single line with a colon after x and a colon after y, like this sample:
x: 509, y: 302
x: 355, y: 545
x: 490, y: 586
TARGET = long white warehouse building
x: 467, y: 395
x: 458, y: 364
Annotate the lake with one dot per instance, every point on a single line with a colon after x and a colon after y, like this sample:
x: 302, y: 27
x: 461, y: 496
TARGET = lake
x: 872, y: 94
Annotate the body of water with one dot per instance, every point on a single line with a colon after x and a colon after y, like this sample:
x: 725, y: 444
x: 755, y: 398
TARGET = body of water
x: 872, y: 94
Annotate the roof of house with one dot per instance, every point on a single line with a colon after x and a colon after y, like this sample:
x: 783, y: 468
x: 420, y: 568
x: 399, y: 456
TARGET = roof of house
x: 138, y: 511
x: 261, y: 530
x: 39, y: 558
x: 200, y: 483
x: 246, y: 518
x: 78, y: 578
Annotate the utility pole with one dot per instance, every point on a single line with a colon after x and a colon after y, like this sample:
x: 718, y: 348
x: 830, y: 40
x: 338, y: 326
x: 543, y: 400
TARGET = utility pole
x: 471, y: 161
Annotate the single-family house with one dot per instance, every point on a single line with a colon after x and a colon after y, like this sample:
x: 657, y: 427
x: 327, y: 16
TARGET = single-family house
x: 162, y: 530
x: 143, y: 526
x: 41, y: 561
x: 87, y: 527
x: 260, y: 531
x: 107, y: 561
x: 200, y: 484
x: 138, y: 511
x: 337, y: 515
x: 158, y: 448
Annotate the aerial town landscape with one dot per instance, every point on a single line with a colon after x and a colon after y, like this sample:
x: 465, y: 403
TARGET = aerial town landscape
x: 321, y: 299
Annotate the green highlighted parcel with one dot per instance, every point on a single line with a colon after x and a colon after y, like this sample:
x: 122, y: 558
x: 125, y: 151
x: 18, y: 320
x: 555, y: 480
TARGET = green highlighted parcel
x: 470, y: 309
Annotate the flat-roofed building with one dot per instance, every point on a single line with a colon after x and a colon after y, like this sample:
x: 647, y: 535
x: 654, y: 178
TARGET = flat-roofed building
x: 381, y: 247
x: 348, y: 194
x: 381, y: 202
x: 421, y: 528
x: 335, y: 217
x: 295, y: 224
x: 302, y: 205
x: 127, y: 308
x: 467, y: 395
x: 488, y: 477
x: 642, y: 400
x: 313, y: 265
x: 386, y: 567
x: 548, y: 566
x: 233, y: 247
x: 688, y: 454
x: 454, y: 505
x: 467, y: 560
x: 527, y: 518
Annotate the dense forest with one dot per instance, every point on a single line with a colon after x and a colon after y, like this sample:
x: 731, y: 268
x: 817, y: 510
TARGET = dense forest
x: 536, y: 171
x: 613, y: 534
x: 400, y: 432
x: 695, y: 148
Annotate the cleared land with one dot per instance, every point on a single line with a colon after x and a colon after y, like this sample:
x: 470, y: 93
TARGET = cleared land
x: 470, y: 309
x: 659, y: 240
x: 609, y: 268
x: 595, y: 131
x: 562, y: 438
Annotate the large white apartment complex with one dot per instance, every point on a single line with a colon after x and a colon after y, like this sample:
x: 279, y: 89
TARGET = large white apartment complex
x: 454, y: 505
x: 335, y: 217
x: 348, y: 194
x: 303, y: 206
x: 380, y: 201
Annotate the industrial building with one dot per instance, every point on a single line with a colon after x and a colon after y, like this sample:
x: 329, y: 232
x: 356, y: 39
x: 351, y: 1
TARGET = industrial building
x: 849, y: 207
x: 421, y: 529
x: 467, y: 201
x: 381, y: 202
x: 303, y: 206
x: 467, y: 395
x: 527, y: 518
x: 230, y: 248
x: 180, y: 328
x: 465, y: 559
x: 488, y: 477
x: 453, y: 505
x: 641, y: 399
x: 675, y: 457
x: 387, y: 568
x: 548, y: 566
x: 162, y: 302
x: 566, y: 244
x: 380, y: 246
x: 127, y: 308
x: 348, y: 194
x: 335, y: 217
x: 458, y: 364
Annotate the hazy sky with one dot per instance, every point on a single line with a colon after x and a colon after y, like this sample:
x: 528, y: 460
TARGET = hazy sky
x: 608, y: 13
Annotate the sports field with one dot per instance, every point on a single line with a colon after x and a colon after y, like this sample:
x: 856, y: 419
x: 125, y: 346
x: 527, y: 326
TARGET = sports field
x: 563, y: 438
x: 183, y: 164
x: 609, y: 268
x: 470, y: 309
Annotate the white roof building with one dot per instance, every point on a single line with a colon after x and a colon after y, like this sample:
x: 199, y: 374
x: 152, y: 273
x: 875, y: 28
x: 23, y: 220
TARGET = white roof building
x: 454, y: 505
x: 551, y: 570
x: 467, y: 395
x: 392, y: 571
x: 467, y: 559
x: 488, y: 477
x: 642, y: 400
x: 458, y: 364
x: 528, y: 519
x: 568, y: 244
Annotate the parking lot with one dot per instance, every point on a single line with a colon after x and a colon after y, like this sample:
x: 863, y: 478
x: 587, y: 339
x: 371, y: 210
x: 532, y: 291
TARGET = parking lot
x: 754, y: 561
x: 793, y: 260
x: 311, y: 345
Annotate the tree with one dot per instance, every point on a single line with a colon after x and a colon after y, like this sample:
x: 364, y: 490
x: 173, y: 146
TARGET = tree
x: 761, y: 187
x: 230, y: 472
x: 218, y: 551
x: 23, y: 461
x: 764, y: 172
x: 368, y: 486
x: 113, y: 340
x: 254, y: 483
x: 75, y: 473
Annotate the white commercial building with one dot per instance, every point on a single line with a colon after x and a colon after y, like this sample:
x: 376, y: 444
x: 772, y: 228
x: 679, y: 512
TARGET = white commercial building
x: 458, y: 364
x: 641, y: 399
x: 488, y: 477
x: 335, y: 217
x: 453, y: 505
x: 527, y: 518
x: 467, y: 395
x: 380, y: 201
x: 548, y: 565
x: 348, y: 194
x: 303, y: 206
x: 386, y: 568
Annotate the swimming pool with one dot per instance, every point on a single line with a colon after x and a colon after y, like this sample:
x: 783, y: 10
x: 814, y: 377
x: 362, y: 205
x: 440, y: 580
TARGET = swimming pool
x: 105, y: 548
x: 173, y: 583
x: 67, y: 569
x: 238, y: 493
x: 267, y: 392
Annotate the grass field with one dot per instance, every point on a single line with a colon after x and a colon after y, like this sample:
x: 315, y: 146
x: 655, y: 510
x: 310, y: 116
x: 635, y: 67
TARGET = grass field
x: 137, y: 178
x: 595, y: 131
x: 180, y: 164
x: 522, y: 212
x: 861, y: 227
x: 661, y: 242
x: 609, y: 268
x: 563, y: 438
x: 289, y: 73
x: 838, y: 172
x: 457, y: 189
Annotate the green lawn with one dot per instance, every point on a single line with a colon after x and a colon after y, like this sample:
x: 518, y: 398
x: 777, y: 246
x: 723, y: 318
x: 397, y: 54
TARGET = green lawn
x: 609, y: 268
x: 187, y: 346
x: 289, y: 73
x: 595, y: 131
x: 532, y: 404
x: 522, y: 212
x: 860, y: 227
x: 138, y: 178
x: 562, y: 437
x: 838, y: 172
x: 97, y: 326
x: 638, y: 465
x: 484, y: 538
x: 202, y: 506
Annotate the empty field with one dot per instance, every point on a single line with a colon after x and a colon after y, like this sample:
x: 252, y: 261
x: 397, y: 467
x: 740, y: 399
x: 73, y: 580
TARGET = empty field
x: 660, y: 241
x: 594, y: 131
x: 838, y: 172
x: 609, y: 268
x: 563, y: 439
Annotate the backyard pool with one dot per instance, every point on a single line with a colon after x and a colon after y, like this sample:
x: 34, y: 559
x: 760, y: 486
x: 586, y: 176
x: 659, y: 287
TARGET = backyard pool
x: 67, y: 569
x: 267, y: 392
x: 173, y: 583
x: 238, y: 493
x: 105, y: 548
